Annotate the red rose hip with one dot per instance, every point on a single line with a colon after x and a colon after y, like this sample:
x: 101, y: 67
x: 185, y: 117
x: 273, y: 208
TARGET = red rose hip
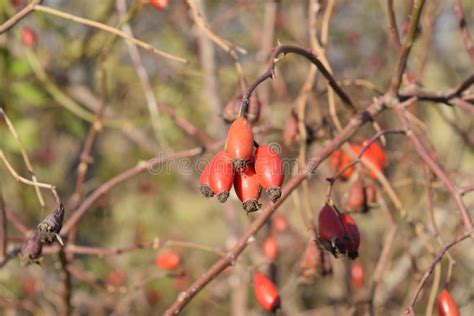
x: 352, y: 233
x: 221, y: 176
x: 248, y: 189
x: 168, y: 260
x: 332, y: 235
x: 266, y: 292
x: 446, y: 304
x: 239, y: 143
x: 269, y: 170
x: 204, y: 181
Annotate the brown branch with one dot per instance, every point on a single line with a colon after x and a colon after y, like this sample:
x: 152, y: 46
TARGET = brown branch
x: 436, y: 168
x: 270, y: 73
x: 464, y: 30
x: 407, y: 45
x: 109, y: 29
x: 393, y: 29
x: 67, y: 284
x: 185, y: 297
x: 16, y: 222
x: 429, y: 270
x: 24, y: 155
x: 446, y: 97
x: 23, y: 13
x: 466, y: 189
x: 125, y: 175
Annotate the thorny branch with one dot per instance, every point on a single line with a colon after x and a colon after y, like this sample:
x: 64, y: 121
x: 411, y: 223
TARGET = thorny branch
x: 270, y: 73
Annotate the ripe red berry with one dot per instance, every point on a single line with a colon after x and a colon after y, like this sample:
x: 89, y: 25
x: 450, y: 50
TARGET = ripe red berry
x: 266, y: 292
x: 357, y: 198
x: 204, y: 180
x: 239, y: 143
x: 270, y: 248
x: 352, y: 232
x: 446, y: 304
x: 248, y: 189
x: 28, y: 36
x: 159, y: 4
x: 221, y: 176
x: 339, y: 160
x: 269, y: 170
x: 357, y: 275
x: 168, y: 260
x: 376, y: 155
x: 279, y: 222
x: 332, y: 234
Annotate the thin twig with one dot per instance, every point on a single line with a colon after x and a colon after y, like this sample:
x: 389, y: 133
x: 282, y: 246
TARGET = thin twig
x: 125, y: 175
x: 436, y: 168
x: 464, y: 29
x: 23, y: 13
x: 25, y: 157
x: 407, y: 45
x: 433, y: 264
x: 110, y: 29
x: 364, y: 149
x: 26, y: 181
x: 393, y: 29
x: 16, y: 222
x: 270, y: 73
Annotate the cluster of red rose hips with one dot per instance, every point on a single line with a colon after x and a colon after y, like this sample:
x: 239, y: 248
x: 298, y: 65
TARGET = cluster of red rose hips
x: 246, y: 169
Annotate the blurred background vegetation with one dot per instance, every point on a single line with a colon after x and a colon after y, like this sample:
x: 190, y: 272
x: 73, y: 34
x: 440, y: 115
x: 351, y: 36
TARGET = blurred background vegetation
x: 52, y: 91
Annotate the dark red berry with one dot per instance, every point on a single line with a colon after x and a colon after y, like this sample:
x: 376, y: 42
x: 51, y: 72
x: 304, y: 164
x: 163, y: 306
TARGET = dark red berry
x: 352, y: 233
x: 332, y: 234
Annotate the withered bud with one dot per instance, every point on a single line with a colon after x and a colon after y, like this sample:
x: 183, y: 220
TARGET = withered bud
x: 232, y: 108
x: 50, y: 227
x: 31, y: 249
